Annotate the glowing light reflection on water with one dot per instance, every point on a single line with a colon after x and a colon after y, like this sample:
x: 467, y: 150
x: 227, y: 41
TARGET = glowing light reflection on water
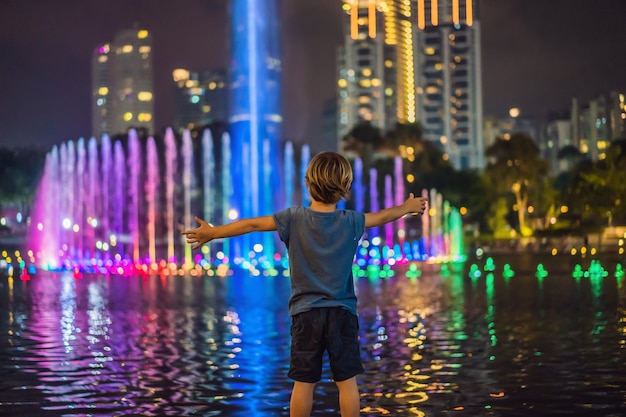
x: 501, y: 338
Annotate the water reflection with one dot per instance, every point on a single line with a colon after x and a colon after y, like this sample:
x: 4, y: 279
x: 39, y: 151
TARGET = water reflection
x: 499, y: 337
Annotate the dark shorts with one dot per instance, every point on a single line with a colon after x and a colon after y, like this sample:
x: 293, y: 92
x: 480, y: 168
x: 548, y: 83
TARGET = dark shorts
x: 332, y: 329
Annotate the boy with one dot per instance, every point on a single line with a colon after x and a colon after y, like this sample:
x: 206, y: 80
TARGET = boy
x: 321, y: 243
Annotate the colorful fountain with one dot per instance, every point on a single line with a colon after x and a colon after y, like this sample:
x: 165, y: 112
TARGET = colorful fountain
x: 122, y: 205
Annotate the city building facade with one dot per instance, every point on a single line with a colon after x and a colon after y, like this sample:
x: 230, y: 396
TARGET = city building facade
x: 201, y: 98
x: 412, y: 61
x: 597, y: 123
x: 586, y: 130
x: 449, y: 82
x: 122, y: 84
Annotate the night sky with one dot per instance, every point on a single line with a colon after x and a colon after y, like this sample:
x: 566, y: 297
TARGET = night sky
x: 536, y: 55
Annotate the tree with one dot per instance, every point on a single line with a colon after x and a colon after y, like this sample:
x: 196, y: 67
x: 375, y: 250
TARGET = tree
x: 515, y: 167
x: 364, y: 139
x: 598, y: 189
x: 401, y: 137
x: 20, y: 171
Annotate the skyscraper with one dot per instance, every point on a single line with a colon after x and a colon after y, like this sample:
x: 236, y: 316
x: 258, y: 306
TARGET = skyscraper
x: 376, y: 77
x: 599, y: 122
x: 415, y: 61
x: 122, y: 88
x: 449, y: 82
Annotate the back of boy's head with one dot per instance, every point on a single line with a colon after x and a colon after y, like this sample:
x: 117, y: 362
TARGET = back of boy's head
x: 329, y: 177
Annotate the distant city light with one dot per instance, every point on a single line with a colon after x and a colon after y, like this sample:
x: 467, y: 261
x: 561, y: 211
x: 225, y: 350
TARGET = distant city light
x: 144, y: 96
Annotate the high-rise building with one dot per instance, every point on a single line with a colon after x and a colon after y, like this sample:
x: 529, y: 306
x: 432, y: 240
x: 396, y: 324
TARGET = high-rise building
x: 201, y: 98
x: 449, y: 82
x: 599, y: 122
x: 122, y: 87
x: 554, y: 141
x: 415, y: 61
x: 376, y: 79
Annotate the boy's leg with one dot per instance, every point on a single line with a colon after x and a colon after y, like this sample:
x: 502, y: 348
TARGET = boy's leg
x: 345, y: 358
x: 301, y: 402
x: 307, y: 349
x: 349, y: 399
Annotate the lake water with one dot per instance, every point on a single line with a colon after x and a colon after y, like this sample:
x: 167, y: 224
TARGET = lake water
x: 457, y: 341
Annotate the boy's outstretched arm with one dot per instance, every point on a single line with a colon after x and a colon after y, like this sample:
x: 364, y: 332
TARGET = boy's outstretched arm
x: 415, y: 205
x: 207, y: 232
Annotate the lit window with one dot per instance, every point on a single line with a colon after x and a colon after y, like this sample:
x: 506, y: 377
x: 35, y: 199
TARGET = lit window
x: 144, y: 117
x: 206, y: 109
x: 180, y: 74
x: 128, y: 116
x: 212, y: 85
x: 103, y: 58
x: 342, y: 83
x: 142, y: 34
x: 127, y: 49
x: 144, y: 49
x: 144, y: 96
x: 103, y: 91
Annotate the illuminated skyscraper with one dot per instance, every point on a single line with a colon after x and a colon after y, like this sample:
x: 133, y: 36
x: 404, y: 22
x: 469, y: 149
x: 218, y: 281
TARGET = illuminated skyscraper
x: 376, y: 64
x: 255, y: 119
x: 415, y: 61
x: 122, y: 90
x: 449, y: 83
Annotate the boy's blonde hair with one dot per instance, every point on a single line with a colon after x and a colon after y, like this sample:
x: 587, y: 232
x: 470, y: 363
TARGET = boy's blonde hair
x: 329, y: 177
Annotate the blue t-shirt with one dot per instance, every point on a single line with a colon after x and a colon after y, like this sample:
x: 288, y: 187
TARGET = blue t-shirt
x: 321, y: 248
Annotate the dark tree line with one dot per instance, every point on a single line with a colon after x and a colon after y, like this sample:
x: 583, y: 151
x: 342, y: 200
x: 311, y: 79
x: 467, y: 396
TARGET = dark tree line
x: 515, y: 191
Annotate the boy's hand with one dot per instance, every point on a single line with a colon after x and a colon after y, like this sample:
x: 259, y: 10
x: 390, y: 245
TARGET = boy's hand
x: 200, y: 235
x: 415, y: 205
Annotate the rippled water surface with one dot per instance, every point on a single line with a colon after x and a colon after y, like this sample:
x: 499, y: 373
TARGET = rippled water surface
x: 447, y: 342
